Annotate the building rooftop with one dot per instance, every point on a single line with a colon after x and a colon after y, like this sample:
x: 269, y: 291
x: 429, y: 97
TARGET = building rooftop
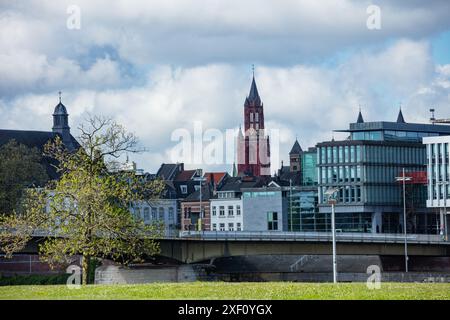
x: 37, y: 139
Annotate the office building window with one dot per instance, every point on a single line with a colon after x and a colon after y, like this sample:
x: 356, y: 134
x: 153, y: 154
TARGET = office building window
x: 358, y: 153
x: 347, y: 173
x: 230, y: 211
x: 238, y: 210
x: 323, y: 175
x: 238, y: 226
x: 352, y: 154
x: 214, y: 212
x: 222, y: 227
x: 341, y: 154
x: 329, y: 159
x: 214, y: 227
x: 221, y: 210
x: 272, y: 220
x: 231, y: 226
x: 346, y: 154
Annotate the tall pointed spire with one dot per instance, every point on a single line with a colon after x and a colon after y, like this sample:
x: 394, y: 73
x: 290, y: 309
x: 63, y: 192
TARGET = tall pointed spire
x: 360, y: 117
x: 400, y: 118
x: 253, y: 97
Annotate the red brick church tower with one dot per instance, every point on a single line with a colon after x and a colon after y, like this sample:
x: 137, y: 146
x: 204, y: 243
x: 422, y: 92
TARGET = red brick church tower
x: 253, y: 153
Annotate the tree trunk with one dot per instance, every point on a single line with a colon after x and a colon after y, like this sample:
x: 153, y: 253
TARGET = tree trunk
x: 85, y: 269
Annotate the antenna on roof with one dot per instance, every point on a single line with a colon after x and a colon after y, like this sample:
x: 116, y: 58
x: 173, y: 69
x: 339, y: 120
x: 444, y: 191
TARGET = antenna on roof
x: 432, y: 119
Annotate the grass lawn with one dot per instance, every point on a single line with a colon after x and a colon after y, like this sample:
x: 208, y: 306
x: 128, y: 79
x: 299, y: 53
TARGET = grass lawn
x: 223, y: 290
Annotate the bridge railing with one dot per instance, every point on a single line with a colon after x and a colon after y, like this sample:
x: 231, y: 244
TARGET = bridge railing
x: 312, y: 236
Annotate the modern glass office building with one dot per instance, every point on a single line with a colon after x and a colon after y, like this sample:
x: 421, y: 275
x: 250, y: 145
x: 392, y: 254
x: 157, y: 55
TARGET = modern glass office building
x: 364, y: 168
x: 309, y: 163
x: 302, y: 212
x: 438, y: 175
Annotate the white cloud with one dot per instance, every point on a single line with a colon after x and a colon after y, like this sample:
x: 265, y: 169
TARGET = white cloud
x: 307, y: 101
x: 157, y: 65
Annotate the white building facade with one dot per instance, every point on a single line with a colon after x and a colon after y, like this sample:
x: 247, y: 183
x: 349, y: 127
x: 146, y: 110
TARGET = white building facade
x: 226, y: 212
x: 438, y: 175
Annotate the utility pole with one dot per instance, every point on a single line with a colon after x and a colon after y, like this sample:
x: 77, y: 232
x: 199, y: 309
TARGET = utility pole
x: 331, y: 192
x: 403, y: 178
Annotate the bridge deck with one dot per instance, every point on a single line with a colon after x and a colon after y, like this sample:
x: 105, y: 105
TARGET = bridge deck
x: 312, y: 237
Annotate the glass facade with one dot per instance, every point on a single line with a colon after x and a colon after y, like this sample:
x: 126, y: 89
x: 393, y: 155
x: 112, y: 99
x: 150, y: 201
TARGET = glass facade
x: 392, y: 135
x: 303, y: 216
x: 309, y: 171
x: 366, y: 173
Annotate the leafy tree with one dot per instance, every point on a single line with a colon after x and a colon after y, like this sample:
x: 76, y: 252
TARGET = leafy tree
x: 20, y: 168
x: 87, y: 211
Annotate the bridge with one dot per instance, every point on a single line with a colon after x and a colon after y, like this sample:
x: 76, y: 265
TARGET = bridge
x: 194, y: 246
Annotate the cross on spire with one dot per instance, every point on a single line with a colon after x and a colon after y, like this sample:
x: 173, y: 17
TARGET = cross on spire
x: 253, y: 70
x: 59, y: 92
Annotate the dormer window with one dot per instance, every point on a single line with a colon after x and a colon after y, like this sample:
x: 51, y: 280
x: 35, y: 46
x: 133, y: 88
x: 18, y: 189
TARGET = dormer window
x: 183, y: 189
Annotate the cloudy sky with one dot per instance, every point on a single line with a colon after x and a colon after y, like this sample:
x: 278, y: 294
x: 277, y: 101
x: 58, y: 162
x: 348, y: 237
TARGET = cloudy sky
x: 156, y: 66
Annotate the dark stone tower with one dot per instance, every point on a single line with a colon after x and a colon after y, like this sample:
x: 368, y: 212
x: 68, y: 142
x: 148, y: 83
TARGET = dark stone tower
x: 61, y: 124
x: 253, y: 145
x: 295, y: 157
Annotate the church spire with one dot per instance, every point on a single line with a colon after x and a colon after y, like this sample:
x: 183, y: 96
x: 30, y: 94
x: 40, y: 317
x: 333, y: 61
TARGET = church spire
x: 61, y: 123
x: 253, y: 97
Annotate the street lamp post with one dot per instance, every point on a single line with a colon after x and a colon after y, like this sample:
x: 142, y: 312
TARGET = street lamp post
x: 403, y: 178
x: 332, y: 200
x: 443, y: 215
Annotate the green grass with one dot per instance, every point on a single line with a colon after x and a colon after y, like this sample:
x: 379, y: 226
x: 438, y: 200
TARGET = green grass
x: 221, y: 290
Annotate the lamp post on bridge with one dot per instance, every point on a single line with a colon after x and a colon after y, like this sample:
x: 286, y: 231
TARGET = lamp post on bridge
x: 443, y: 215
x: 404, y: 178
x: 330, y: 193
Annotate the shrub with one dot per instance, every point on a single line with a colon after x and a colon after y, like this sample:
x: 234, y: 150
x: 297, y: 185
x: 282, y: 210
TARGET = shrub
x: 19, y: 280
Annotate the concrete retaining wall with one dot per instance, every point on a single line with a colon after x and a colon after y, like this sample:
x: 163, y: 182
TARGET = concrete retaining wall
x: 121, y: 275
x: 328, y: 277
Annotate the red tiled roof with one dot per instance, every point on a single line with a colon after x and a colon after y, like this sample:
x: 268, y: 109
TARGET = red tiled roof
x: 217, y: 176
